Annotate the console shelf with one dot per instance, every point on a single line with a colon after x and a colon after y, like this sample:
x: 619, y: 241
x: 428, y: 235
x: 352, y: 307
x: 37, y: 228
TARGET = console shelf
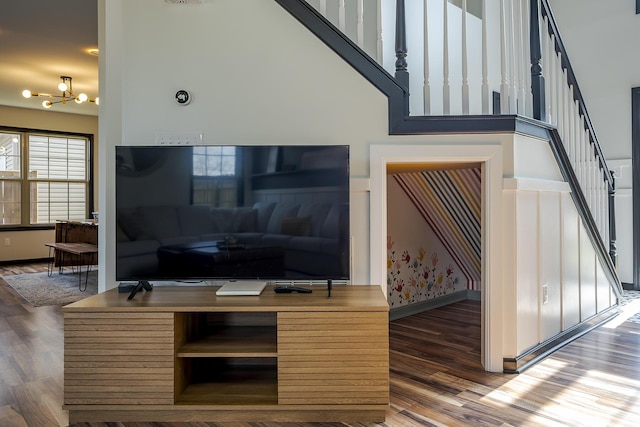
x: 242, y: 341
x: 199, y: 357
x: 252, y: 385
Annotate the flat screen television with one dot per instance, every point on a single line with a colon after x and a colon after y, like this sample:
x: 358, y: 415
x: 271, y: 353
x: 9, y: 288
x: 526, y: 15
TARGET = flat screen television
x: 204, y: 212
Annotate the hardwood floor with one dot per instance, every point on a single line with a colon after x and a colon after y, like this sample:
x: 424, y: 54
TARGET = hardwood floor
x: 436, y: 377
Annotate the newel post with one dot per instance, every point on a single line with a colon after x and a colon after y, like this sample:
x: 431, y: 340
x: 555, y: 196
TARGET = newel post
x: 537, y: 79
x: 613, y: 247
x: 402, y: 75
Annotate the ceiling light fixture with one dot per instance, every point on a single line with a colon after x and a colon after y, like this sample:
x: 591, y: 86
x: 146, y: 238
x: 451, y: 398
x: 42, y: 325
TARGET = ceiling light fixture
x: 67, y: 94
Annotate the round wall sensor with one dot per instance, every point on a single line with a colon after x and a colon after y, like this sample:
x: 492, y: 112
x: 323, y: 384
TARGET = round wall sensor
x: 183, y: 97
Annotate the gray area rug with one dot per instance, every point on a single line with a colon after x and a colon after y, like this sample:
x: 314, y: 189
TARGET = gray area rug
x: 38, y: 289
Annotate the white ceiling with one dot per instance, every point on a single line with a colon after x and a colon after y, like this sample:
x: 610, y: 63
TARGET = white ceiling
x: 41, y: 40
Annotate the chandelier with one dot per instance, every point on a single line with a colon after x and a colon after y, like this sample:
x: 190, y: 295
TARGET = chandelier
x: 67, y: 95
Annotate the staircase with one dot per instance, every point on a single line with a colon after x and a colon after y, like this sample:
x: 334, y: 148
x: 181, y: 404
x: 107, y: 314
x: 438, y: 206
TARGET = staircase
x: 497, y: 67
x: 476, y: 66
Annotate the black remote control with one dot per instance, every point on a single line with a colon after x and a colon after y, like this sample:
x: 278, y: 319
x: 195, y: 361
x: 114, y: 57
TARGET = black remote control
x: 290, y: 289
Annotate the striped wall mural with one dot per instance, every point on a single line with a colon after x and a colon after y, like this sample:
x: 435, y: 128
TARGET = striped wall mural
x: 450, y: 202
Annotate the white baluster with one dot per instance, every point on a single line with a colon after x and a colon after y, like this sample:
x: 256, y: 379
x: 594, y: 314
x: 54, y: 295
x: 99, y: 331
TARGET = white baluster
x: 589, y: 186
x: 526, y: 49
x: 553, y: 88
x: 601, y: 203
x: 569, y: 143
x: 446, y: 90
x: 578, y: 148
x: 593, y: 184
x: 565, y: 107
x: 544, y: 48
x: 360, y: 24
x: 341, y: 16
x: 521, y: 54
x: 578, y: 143
x: 379, y: 40
x: 596, y: 194
x: 589, y: 183
x: 465, y: 65
x: 605, y: 207
x: 560, y: 100
x: 427, y: 68
x: 323, y: 8
x: 581, y: 162
x: 513, y: 63
x: 485, y: 61
x: 504, y: 60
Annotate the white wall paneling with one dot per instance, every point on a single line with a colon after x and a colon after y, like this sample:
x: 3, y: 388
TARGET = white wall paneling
x: 527, y: 278
x: 550, y: 252
x: 587, y: 276
x: 570, y: 225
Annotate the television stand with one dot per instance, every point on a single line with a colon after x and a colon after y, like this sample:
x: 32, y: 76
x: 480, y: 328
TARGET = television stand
x: 142, y: 284
x: 192, y: 356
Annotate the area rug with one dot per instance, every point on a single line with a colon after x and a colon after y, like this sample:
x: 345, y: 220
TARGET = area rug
x: 38, y: 289
x: 630, y: 306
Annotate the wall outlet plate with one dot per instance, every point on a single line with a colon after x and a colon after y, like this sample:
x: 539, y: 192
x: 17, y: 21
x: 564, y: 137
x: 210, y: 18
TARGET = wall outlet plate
x: 545, y: 294
x: 179, y: 138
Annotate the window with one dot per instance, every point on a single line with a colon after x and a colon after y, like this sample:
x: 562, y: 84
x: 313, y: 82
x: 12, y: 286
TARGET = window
x: 43, y: 178
x: 214, y: 161
x: 214, y: 176
x: 10, y: 183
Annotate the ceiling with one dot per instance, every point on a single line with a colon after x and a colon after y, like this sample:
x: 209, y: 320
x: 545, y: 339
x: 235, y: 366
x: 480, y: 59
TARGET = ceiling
x: 41, y: 40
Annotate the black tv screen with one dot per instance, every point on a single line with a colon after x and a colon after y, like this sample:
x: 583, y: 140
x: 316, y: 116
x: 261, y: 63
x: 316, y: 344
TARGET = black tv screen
x: 209, y: 212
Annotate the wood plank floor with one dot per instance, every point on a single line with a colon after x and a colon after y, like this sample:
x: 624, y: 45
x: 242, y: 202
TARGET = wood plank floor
x: 436, y: 378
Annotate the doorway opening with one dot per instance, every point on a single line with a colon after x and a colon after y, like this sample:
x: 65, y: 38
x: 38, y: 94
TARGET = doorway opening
x: 489, y: 158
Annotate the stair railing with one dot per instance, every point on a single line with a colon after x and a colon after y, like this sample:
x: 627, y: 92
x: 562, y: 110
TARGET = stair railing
x: 565, y: 108
x: 467, y: 54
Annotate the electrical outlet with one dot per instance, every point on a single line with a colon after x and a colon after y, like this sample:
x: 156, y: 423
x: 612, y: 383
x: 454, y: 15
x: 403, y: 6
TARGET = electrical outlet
x: 545, y: 294
x: 7, y: 241
x: 185, y: 138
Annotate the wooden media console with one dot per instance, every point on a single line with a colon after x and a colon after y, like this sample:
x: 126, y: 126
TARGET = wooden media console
x: 183, y: 354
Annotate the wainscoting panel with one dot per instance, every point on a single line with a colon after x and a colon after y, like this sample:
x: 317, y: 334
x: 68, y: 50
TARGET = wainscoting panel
x: 570, y: 262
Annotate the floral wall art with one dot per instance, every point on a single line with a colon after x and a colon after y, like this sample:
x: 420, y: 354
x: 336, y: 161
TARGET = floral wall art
x: 419, y: 267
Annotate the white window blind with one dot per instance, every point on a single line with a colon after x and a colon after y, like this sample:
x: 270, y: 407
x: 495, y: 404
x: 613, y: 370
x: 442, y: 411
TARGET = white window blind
x: 58, y: 175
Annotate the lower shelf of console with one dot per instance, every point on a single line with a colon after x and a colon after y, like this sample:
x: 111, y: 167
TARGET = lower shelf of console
x: 236, y: 385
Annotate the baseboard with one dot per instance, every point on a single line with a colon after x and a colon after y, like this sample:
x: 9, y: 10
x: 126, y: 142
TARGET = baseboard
x: 419, y: 307
x: 532, y: 356
x: 474, y: 295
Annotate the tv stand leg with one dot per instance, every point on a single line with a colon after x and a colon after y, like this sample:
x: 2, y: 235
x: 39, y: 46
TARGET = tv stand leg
x: 142, y: 284
x: 329, y: 286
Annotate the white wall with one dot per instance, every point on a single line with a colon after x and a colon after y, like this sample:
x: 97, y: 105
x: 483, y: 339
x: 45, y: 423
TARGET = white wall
x: 256, y: 76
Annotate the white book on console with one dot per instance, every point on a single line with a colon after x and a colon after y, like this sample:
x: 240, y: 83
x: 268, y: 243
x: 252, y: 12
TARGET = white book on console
x: 242, y: 287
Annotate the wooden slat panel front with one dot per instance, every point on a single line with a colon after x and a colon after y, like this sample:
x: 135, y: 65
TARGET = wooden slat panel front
x: 333, y: 358
x: 118, y: 358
